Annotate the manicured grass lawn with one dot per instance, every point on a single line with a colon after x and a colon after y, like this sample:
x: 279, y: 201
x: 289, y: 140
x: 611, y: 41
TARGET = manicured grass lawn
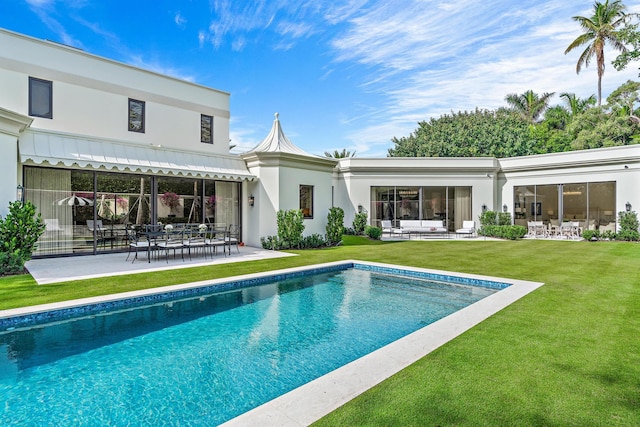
x: 567, y: 354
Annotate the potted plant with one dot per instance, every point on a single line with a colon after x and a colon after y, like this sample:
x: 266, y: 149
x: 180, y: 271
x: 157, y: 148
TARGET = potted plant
x: 170, y: 200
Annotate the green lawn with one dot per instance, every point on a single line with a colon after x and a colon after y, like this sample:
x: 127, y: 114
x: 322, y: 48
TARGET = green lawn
x: 567, y: 354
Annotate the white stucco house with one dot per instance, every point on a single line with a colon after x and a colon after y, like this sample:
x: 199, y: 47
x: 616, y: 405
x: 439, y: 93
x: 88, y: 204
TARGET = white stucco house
x: 96, y: 145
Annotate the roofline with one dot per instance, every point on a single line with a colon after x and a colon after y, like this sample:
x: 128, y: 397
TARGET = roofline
x: 79, y: 51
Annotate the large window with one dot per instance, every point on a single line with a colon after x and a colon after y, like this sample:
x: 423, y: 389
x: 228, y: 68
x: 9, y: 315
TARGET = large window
x: 206, y: 129
x: 592, y: 204
x: 452, y: 205
x: 136, y: 115
x: 40, y: 98
x: 306, y: 201
x: 87, y: 211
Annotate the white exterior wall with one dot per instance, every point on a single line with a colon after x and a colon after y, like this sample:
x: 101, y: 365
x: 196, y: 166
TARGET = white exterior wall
x: 11, y: 124
x: 278, y: 188
x: 261, y: 218
x: 619, y: 164
x: 356, y: 176
x: 90, y: 96
x: 290, y: 181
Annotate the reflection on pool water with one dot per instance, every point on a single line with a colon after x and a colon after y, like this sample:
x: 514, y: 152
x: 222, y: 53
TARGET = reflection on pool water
x: 208, y: 358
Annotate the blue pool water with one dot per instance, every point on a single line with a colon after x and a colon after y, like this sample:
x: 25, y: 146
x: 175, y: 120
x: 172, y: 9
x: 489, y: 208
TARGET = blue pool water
x: 206, y: 359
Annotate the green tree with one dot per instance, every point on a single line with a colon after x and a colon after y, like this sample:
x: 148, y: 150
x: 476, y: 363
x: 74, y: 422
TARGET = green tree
x: 529, y: 104
x: 598, y: 127
x: 19, y: 234
x: 340, y: 154
x: 623, y: 100
x: 290, y: 228
x: 576, y: 104
x: 630, y: 36
x: 335, y: 226
x: 479, y: 133
x: 556, y: 117
x: 598, y: 30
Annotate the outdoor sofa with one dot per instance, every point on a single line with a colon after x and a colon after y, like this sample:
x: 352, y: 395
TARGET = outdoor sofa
x: 421, y: 227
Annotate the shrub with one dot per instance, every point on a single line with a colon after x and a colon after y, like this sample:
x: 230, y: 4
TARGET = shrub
x: 360, y: 223
x: 335, y: 226
x: 290, y: 228
x: 629, y: 225
x: 271, y: 243
x: 373, y: 232
x: 19, y: 234
x: 608, y: 235
x: 349, y: 231
x: 504, y: 218
x: 494, y: 218
x: 511, y: 232
x: 314, y: 241
x: 591, y: 235
x: 488, y: 218
x: 628, y: 235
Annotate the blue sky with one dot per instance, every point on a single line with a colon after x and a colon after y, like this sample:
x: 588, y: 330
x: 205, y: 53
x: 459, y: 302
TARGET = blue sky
x: 343, y: 74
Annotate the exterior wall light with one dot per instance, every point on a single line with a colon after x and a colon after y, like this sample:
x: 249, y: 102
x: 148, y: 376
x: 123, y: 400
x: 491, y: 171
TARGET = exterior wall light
x: 252, y: 200
x: 628, y: 207
x: 20, y: 193
x: 359, y: 208
x: 505, y: 208
x: 484, y: 207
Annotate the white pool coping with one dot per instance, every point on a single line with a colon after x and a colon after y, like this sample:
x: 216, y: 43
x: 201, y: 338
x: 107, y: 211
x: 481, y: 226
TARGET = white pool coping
x: 310, y: 402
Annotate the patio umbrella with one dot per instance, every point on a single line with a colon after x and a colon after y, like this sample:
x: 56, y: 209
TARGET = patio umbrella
x: 75, y: 200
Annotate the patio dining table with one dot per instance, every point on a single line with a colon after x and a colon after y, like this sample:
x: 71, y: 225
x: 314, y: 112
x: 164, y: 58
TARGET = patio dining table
x: 154, y: 236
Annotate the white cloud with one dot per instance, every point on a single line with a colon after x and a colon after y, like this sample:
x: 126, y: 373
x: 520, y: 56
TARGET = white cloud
x: 467, y: 54
x: 45, y: 10
x: 179, y: 20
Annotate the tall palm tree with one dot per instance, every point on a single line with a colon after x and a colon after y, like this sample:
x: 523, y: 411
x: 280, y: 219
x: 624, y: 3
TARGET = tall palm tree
x: 598, y: 30
x: 340, y: 155
x: 529, y: 104
x: 576, y: 104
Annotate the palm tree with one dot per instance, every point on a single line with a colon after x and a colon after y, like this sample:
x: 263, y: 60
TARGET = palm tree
x: 577, y: 105
x: 598, y: 30
x: 529, y: 104
x: 340, y: 155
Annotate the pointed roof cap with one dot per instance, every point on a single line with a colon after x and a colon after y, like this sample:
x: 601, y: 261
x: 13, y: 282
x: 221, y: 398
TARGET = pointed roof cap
x: 277, y: 142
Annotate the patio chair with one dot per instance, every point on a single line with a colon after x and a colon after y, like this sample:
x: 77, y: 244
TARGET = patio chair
x: 536, y: 229
x: 172, y: 240
x: 233, y: 237
x: 387, y: 227
x: 96, y: 228
x: 137, y: 242
x: 570, y: 229
x: 195, y: 239
x: 468, y: 228
x: 215, y: 239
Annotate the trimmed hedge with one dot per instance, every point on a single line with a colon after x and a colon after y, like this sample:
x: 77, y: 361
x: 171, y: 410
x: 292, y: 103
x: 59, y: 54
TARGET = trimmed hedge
x: 511, y: 232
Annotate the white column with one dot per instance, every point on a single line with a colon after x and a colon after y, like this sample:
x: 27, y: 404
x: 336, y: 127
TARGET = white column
x: 11, y: 125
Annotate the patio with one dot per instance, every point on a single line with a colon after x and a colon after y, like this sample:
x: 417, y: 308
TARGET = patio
x: 53, y: 270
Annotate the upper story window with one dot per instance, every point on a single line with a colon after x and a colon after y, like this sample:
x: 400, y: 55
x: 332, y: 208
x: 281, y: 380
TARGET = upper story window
x: 306, y: 201
x: 136, y: 115
x: 206, y: 129
x: 40, y: 98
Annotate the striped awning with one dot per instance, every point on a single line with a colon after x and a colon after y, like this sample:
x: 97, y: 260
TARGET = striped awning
x: 56, y: 150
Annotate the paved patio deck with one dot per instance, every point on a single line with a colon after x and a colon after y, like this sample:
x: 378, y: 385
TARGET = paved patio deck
x: 52, y: 270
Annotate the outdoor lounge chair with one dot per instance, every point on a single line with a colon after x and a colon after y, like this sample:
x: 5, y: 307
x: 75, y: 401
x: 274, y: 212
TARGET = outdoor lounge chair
x: 468, y: 228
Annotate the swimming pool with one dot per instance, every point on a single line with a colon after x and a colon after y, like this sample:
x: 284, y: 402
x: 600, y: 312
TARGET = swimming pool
x: 203, y: 359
